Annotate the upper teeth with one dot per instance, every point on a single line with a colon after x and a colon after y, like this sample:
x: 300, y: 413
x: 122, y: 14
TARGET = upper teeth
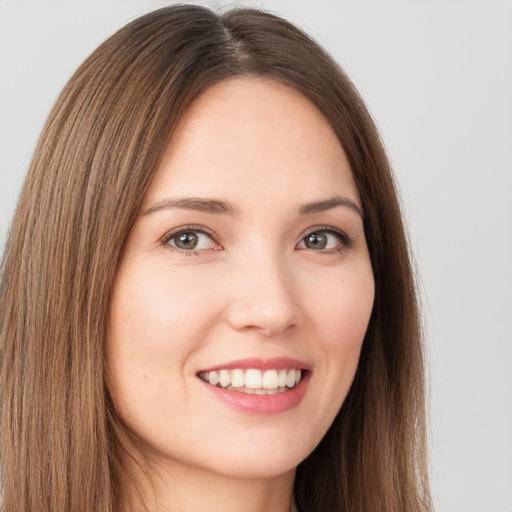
x: 253, y: 378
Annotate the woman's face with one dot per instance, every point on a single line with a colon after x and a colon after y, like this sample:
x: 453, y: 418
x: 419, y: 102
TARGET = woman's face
x: 247, y: 264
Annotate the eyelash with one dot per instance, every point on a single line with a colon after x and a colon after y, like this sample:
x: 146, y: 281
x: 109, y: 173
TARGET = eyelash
x: 187, y: 229
x: 346, y: 242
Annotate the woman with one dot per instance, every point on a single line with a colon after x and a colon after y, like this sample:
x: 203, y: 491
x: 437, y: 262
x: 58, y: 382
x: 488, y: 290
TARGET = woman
x: 206, y: 297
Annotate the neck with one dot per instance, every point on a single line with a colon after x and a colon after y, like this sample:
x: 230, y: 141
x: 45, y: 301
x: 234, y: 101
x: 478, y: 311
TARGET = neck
x: 188, y: 488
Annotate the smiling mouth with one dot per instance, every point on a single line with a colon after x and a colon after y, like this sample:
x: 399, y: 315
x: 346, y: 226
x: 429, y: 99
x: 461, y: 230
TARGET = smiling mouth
x: 254, y: 381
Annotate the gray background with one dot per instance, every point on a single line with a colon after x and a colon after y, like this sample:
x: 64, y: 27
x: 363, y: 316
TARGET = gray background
x: 437, y: 75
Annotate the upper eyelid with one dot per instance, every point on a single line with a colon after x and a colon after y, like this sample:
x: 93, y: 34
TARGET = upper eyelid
x: 209, y: 232
x: 183, y: 229
x: 346, y: 241
x: 320, y: 229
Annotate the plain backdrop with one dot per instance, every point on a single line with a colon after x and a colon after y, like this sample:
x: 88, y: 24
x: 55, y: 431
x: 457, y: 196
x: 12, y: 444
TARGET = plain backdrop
x: 437, y: 76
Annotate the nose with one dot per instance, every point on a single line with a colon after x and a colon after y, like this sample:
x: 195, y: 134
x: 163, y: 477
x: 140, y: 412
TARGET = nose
x: 262, y: 297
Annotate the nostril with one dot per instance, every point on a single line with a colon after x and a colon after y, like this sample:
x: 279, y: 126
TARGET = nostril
x: 267, y: 321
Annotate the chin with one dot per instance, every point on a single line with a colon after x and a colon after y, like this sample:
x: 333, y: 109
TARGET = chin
x: 259, y: 459
x: 258, y: 468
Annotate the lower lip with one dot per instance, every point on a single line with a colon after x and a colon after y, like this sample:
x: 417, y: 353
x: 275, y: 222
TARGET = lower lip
x: 261, y: 404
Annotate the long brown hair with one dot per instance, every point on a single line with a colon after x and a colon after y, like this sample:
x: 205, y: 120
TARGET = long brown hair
x: 98, y: 151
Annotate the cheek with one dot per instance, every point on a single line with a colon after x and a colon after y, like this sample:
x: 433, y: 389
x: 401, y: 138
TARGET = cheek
x: 341, y: 309
x: 156, y: 321
x: 153, y: 309
x: 339, y: 315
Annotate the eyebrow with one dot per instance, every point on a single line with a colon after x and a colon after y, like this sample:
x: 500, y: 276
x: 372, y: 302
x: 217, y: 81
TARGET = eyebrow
x: 327, y: 204
x: 195, y: 203
x: 218, y: 207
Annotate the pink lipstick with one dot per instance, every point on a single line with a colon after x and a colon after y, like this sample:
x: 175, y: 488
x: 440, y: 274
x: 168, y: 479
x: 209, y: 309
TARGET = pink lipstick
x: 258, y: 386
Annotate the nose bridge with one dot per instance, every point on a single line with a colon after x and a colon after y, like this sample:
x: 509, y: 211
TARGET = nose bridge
x: 263, y: 290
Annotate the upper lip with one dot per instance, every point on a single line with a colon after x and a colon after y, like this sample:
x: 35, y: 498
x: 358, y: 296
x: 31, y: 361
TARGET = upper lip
x: 280, y: 363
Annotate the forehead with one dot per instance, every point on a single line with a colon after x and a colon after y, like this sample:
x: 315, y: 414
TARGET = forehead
x: 247, y: 136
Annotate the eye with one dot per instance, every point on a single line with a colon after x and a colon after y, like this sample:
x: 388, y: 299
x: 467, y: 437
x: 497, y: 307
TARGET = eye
x: 328, y: 240
x: 190, y: 240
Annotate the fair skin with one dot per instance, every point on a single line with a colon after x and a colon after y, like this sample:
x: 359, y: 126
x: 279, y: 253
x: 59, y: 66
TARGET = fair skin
x: 272, y: 276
